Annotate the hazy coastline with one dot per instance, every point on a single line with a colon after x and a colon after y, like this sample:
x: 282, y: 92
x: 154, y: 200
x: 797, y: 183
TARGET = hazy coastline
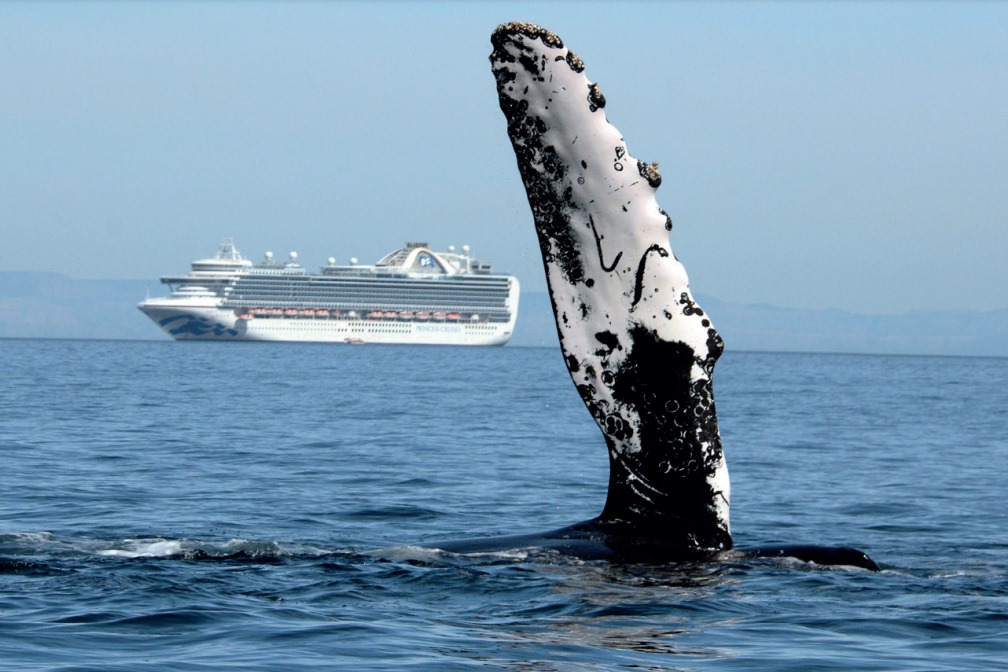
x: 53, y: 305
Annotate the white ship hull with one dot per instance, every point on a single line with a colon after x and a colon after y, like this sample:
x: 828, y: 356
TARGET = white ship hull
x: 207, y: 323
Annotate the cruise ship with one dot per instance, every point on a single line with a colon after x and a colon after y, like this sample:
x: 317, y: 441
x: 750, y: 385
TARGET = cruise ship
x: 411, y: 295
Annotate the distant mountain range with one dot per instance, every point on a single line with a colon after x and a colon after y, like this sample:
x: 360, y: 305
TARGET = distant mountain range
x: 51, y: 305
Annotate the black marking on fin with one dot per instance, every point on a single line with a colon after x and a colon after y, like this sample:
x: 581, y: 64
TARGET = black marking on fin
x: 598, y: 246
x: 639, y: 281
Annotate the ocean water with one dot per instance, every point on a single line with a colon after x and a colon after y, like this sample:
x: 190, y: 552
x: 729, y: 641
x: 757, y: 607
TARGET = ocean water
x: 202, y: 506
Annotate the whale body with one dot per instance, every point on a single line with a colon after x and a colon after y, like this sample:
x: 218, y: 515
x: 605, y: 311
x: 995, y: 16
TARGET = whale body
x: 640, y: 350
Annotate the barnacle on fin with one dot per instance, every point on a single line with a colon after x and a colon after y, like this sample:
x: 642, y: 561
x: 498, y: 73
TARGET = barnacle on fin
x: 649, y: 171
x: 596, y: 101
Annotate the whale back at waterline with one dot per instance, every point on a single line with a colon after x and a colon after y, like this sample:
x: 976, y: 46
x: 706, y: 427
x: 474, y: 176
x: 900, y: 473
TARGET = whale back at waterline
x: 639, y: 349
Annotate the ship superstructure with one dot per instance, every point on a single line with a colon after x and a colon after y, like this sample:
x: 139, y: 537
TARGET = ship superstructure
x: 411, y: 295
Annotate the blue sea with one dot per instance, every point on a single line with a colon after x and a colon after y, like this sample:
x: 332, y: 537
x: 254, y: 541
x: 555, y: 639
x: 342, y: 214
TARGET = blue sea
x: 255, y: 506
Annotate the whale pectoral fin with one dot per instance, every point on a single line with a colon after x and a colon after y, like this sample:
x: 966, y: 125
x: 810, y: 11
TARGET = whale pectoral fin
x: 639, y: 350
x: 820, y: 555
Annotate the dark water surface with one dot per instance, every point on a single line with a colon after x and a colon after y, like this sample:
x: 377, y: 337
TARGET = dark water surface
x: 202, y: 506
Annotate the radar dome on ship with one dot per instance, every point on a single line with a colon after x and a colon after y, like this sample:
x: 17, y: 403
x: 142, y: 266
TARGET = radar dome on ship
x: 332, y: 261
x: 293, y: 256
x: 269, y: 256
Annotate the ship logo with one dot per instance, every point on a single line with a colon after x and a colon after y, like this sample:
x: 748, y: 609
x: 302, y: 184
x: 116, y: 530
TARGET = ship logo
x: 195, y: 326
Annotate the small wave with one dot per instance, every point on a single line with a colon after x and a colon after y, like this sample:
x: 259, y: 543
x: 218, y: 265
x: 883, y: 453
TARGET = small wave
x: 14, y: 566
x: 233, y: 549
x: 394, y: 512
x: 144, y: 548
x: 42, y: 551
x: 431, y: 555
x: 26, y: 538
x: 167, y: 619
x: 411, y: 554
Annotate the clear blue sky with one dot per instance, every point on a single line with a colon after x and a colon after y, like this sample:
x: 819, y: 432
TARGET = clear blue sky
x: 848, y: 155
